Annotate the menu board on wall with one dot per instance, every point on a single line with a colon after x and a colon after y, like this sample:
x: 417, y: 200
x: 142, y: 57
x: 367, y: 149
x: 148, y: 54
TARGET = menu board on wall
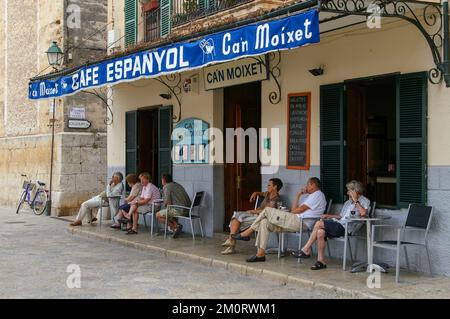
x: 298, y: 131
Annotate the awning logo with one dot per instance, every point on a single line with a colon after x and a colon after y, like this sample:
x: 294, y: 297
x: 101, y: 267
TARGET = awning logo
x: 208, y: 49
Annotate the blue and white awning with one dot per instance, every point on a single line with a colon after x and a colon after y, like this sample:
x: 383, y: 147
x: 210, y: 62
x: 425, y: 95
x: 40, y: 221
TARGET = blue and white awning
x: 251, y: 40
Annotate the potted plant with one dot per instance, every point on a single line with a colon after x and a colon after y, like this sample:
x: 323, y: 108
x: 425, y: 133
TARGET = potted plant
x: 150, y: 5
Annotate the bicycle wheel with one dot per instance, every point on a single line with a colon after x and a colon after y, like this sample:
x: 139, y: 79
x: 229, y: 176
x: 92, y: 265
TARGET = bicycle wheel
x: 39, y: 202
x: 21, y: 200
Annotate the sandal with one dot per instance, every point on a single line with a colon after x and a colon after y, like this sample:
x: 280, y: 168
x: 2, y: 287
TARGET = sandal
x: 132, y: 232
x: 318, y: 265
x: 115, y: 226
x: 301, y: 254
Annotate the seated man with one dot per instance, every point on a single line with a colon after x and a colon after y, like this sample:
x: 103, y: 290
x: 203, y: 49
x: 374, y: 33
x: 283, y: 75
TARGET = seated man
x: 173, y: 194
x: 149, y: 194
x: 136, y: 189
x: 274, y: 220
x: 333, y: 225
x: 114, y: 188
x: 243, y: 220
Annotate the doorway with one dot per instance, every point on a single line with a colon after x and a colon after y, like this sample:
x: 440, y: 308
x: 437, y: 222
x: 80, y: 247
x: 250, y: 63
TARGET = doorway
x: 148, y: 142
x: 371, y: 152
x: 242, y: 109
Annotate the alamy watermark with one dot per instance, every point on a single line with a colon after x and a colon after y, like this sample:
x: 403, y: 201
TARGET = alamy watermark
x: 374, y: 279
x: 374, y: 20
x: 236, y: 142
x: 73, y: 19
x: 74, y: 279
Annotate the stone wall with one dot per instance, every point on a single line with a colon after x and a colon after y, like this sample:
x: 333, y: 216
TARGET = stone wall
x: 27, y: 29
x: 78, y: 171
x: 80, y: 164
x: 87, y: 42
x: 22, y: 155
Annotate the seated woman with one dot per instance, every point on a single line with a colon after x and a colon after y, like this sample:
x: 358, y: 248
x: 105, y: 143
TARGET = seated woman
x: 333, y: 225
x: 114, y: 188
x: 136, y: 189
x: 243, y: 220
x: 142, y: 204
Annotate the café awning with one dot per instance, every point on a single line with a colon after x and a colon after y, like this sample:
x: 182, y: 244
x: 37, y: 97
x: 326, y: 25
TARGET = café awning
x: 251, y: 40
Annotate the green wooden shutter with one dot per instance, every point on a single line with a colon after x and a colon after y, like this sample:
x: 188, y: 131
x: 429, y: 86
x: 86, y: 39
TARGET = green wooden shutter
x: 130, y: 22
x: 165, y: 17
x: 211, y: 3
x: 164, y: 141
x: 206, y: 4
x: 131, y: 143
x: 332, y: 141
x: 411, y: 139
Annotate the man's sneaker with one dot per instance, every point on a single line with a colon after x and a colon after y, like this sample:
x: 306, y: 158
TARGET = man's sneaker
x: 177, y: 231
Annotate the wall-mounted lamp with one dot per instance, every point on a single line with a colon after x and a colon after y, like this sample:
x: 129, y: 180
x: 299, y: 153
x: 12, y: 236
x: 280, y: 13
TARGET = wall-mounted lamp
x: 317, y: 71
x: 165, y: 96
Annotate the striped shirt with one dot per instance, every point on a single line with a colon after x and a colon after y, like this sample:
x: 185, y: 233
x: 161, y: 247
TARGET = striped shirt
x: 151, y: 192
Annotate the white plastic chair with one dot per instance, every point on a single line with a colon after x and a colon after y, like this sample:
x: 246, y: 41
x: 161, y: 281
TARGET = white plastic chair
x: 418, y: 220
x: 195, y: 204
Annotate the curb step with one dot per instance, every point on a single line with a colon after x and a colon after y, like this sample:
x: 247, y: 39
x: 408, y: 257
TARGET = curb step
x: 233, y: 267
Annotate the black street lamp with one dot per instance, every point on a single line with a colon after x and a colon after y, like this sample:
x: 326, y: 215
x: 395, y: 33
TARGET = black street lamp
x: 55, y: 57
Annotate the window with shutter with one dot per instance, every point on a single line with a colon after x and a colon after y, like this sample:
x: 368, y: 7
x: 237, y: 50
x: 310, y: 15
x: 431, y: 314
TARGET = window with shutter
x: 332, y: 141
x: 130, y: 22
x: 412, y: 138
x: 164, y: 141
x: 166, y: 17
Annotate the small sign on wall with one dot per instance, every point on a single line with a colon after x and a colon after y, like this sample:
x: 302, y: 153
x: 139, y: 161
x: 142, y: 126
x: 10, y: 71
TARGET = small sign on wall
x: 190, y: 141
x: 79, y: 124
x: 77, y: 113
x: 234, y: 73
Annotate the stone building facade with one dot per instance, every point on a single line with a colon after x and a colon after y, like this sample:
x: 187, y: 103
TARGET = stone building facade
x: 27, y: 29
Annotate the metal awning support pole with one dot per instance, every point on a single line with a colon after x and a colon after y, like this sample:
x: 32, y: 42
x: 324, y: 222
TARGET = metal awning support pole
x: 445, y: 44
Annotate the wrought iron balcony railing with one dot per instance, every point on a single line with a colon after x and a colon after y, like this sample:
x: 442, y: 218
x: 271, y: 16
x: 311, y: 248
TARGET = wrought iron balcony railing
x: 188, y: 10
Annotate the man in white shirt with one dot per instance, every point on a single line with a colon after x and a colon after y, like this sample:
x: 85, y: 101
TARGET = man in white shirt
x: 313, y: 205
x: 274, y: 220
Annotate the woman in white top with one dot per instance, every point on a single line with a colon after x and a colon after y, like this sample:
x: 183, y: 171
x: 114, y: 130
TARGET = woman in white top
x: 333, y: 225
x: 136, y: 189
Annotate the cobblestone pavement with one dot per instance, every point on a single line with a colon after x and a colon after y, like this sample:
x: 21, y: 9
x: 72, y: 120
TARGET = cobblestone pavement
x: 36, y: 251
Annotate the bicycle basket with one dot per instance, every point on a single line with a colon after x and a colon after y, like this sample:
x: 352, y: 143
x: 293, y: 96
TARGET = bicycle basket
x: 28, y: 185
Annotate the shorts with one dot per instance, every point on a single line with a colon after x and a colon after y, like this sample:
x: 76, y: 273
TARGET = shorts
x: 333, y: 229
x: 246, y: 219
x: 173, y: 213
x: 144, y: 209
x: 125, y: 208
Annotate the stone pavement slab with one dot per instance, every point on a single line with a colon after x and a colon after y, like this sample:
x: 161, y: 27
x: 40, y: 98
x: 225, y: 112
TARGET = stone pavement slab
x: 36, y: 252
x: 206, y: 251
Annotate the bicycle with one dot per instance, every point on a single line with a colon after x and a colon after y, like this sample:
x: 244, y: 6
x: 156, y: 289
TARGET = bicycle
x: 40, y: 197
